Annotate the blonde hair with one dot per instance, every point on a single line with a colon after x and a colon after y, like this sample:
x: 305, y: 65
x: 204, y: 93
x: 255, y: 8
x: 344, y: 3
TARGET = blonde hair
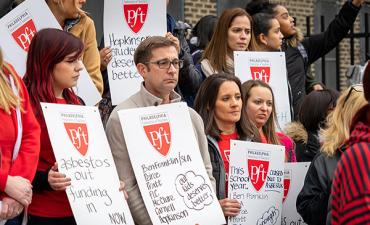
x: 8, y: 100
x: 339, y: 120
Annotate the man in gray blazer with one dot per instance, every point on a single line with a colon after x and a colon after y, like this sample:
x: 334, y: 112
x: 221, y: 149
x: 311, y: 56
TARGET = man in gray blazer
x: 156, y: 60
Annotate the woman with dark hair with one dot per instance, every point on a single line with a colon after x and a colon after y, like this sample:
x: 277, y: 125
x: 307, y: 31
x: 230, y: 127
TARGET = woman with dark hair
x: 202, y: 35
x: 219, y: 103
x: 75, y: 21
x: 266, y: 35
x: 53, y: 68
x: 19, y: 145
x: 312, y: 116
x: 301, y: 52
x: 232, y: 33
x: 259, y: 107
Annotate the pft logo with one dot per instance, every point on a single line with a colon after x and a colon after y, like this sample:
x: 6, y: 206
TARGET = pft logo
x: 77, y: 133
x: 135, y: 14
x: 261, y: 73
x: 257, y: 170
x: 22, y: 29
x: 159, y: 135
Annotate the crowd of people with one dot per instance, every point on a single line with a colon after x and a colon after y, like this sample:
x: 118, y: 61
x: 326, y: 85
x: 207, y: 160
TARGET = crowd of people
x: 329, y: 129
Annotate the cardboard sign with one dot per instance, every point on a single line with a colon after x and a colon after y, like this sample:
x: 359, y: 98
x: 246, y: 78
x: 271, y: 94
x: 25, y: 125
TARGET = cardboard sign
x: 256, y: 180
x: 126, y: 24
x: 294, y: 176
x: 17, y: 29
x: 270, y: 68
x: 168, y: 166
x: 83, y: 154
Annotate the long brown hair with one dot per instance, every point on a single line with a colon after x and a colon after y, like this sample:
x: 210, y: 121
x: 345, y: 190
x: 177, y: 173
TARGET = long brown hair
x: 205, y: 105
x: 217, y: 48
x: 269, y: 127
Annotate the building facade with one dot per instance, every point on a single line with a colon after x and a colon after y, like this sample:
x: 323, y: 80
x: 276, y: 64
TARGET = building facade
x: 307, y: 11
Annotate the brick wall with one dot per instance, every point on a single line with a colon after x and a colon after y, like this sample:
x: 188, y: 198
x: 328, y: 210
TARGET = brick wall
x: 195, y: 9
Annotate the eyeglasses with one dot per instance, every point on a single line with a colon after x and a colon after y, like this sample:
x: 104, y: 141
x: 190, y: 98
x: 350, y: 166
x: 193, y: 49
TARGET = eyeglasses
x: 357, y: 88
x: 166, y: 64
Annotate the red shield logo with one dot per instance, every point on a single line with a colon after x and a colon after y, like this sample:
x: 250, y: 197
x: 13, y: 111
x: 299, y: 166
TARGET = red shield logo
x: 135, y: 15
x: 257, y: 170
x: 24, y: 34
x: 287, y: 179
x: 78, y: 134
x: 159, y: 136
x: 261, y: 73
x: 286, y: 187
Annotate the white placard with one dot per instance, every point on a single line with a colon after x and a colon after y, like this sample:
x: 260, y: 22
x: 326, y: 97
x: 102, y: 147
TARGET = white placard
x: 256, y: 180
x: 17, y: 29
x: 126, y: 24
x: 269, y: 67
x: 294, y: 176
x: 168, y: 165
x: 83, y: 154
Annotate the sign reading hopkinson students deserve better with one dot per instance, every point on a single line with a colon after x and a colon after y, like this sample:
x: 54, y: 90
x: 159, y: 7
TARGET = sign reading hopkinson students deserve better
x: 17, y: 29
x: 294, y: 176
x: 126, y: 24
x: 82, y: 152
x: 256, y: 180
x: 269, y: 67
x: 168, y: 165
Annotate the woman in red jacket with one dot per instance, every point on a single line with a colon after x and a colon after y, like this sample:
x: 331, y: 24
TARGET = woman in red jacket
x: 19, y: 144
x: 53, y: 68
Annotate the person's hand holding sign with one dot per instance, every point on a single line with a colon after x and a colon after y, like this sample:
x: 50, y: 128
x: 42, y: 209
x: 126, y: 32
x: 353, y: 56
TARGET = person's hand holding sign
x: 58, y: 181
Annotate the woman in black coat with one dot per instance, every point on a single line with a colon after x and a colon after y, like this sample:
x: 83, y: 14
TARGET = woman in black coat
x: 301, y: 52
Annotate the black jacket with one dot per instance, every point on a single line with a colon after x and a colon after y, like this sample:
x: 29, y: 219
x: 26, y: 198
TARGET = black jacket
x: 312, y: 201
x: 307, y: 142
x: 5, y: 7
x: 218, y: 168
x: 316, y: 46
x: 305, y: 152
x: 189, y: 77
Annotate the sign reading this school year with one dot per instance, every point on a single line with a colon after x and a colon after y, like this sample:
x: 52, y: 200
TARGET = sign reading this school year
x: 17, y: 29
x: 126, y: 24
x: 168, y: 166
x: 270, y: 68
x: 83, y: 154
x: 256, y: 180
x: 294, y: 176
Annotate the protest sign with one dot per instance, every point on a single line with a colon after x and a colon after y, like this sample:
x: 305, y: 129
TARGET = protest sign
x: 294, y: 175
x: 256, y: 180
x: 83, y: 154
x: 17, y: 29
x: 168, y: 166
x: 269, y: 67
x: 126, y: 24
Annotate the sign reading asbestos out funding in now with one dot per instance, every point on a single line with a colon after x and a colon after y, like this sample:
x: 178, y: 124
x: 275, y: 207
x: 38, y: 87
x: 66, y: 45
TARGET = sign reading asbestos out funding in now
x: 126, y: 24
x: 17, y: 29
x: 168, y: 165
x: 294, y: 176
x: 256, y: 180
x: 82, y: 152
x: 270, y: 68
